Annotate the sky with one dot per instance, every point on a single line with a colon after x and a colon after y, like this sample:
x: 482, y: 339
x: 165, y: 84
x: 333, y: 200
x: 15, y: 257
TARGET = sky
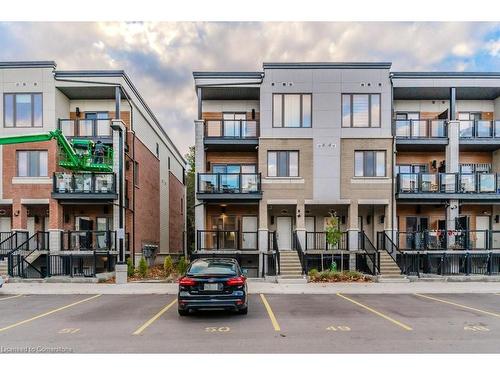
x: 160, y: 57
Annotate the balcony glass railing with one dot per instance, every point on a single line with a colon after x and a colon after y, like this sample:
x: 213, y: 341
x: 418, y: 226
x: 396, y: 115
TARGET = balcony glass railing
x: 232, y: 129
x: 479, y: 129
x: 449, y: 183
x: 420, y: 129
x: 84, y: 183
x: 226, y: 240
x: 86, y: 127
x: 230, y: 183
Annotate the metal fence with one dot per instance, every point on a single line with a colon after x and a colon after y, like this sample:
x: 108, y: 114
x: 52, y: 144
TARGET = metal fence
x: 319, y: 241
x: 227, y: 240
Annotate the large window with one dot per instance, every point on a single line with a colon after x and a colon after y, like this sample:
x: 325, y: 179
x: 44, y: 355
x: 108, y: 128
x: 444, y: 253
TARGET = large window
x: 369, y: 163
x: 23, y: 110
x: 292, y: 110
x: 361, y: 110
x: 283, y: 163
x: 32, y: 164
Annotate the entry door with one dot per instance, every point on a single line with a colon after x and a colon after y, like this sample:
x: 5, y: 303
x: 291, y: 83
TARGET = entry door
x: 482, y: 226
x: 5, y: 225
x: 249, y: 232
x: 415, y: 226
x: 84, y: 238
x: 31, y: 225
x: 284, y: 232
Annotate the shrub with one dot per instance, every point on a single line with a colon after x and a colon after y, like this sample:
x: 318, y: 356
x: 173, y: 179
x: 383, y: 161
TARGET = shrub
x: 143, y: 267
x: 182, y: 265
x: 168, y: 265
x: 130, y: 267
x: 313, y: 273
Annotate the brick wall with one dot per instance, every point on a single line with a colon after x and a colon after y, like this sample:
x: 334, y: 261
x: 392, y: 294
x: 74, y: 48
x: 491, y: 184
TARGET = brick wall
x: 176, y: 214
x: 147, y: 197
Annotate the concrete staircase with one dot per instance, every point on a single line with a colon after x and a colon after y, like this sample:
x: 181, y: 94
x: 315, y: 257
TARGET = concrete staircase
x: 388, y: 267
x: 290, y: 267
x: 3, y: 267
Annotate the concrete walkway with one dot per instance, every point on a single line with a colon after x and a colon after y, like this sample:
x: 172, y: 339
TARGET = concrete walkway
x: 256, y: 286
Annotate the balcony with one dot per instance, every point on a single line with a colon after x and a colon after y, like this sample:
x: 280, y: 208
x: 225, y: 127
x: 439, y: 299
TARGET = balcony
x: 471, y: 186
x: 227, y: 240
x: 416, y: 135
x: 230, y: 135
x: 91, y: 240
x: 96, y: 129
x: 479, y: 135
x: 229, y: 186
x: 84, y: 186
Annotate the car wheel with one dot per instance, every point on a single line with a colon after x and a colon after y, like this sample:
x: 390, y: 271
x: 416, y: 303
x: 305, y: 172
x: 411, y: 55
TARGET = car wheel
x: 243, y: 311
x: 183, y: 312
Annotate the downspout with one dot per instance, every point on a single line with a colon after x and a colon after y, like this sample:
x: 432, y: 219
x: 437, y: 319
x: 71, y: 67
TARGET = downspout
x: 393, y: 159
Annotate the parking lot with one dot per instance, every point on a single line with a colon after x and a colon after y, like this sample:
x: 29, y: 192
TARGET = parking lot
x: 334, y: 323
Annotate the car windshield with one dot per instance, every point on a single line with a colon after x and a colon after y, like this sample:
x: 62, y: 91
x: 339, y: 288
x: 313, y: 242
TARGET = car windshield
x: 212, y: 267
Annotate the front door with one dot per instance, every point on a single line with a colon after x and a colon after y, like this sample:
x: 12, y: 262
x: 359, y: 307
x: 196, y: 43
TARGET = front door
x: 415, y: 228
x: 5, y: 225
x: 31, y: 225
x: 284, y: 232
x: 249, y: 232
x: 85, y: 226
x: 482, y: 228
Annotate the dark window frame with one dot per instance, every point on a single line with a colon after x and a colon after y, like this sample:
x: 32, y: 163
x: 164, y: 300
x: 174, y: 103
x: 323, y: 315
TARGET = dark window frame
x: 14, y: 109
x: 283, y: 110
x: 374, y: 164
x: 288, y: 163
x: 28, y: 160
x: 136, y: 174
x: 351, y: 117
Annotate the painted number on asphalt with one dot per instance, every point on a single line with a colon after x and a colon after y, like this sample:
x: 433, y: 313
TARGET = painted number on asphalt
x: 476, y: 328
x: 217, y: 329
x: 69, y: 330
x: 338, y: 328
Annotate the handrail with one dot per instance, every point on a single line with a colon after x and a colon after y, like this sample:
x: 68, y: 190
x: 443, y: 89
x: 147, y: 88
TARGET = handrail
x: 300, y: 252
x: 231, y: 129
x: 370, y: 250
x: 448, y: 183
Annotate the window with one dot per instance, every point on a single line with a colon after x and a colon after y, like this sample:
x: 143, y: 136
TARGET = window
x: 169, y: 163
x: 101, y: 121
x: 136, y: 173
x: 369, y: 163
x: 32, y: 164
x: 283, y: 163
x: 23, y: 110
x: 182, y: 206
x: 157, y: 150
x: 360, y: 110
x: 292, y: 110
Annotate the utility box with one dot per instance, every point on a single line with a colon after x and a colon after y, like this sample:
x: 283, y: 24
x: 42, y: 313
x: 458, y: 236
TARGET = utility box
x: 149, y: 252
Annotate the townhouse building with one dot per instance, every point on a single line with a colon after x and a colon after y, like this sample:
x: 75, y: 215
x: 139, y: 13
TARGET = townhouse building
x: 402, y: 164
x: 58, y: 220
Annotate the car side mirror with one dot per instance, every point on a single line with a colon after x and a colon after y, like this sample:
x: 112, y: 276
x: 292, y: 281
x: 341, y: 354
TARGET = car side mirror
x: 244, y: 272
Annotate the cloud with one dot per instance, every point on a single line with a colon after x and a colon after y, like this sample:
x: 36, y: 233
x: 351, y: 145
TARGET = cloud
x: 159, y: 57
x: 493, y: 47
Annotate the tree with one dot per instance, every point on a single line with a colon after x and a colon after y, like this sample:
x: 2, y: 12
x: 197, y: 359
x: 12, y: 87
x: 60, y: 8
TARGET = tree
x: 190, y: 199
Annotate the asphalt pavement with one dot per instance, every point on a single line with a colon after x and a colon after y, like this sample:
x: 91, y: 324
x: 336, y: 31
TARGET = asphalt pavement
x: 276, y: 323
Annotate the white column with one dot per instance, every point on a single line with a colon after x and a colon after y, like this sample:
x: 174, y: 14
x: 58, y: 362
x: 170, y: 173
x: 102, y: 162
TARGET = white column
x: 452, y: 166
x: 301, y: 223
x: 353, y: 232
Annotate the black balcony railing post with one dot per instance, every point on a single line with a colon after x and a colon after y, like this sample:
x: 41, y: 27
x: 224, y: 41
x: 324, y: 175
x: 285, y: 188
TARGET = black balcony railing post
x: 217, y: 234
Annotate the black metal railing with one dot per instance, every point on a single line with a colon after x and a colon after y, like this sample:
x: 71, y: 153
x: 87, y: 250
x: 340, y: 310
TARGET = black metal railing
x: 420, y: 129
x: 86, y: 127
x: 474, y: 240
x: 79, y: 265
x: 318, y: 241
x: 370, y: 258
x: 227, y: 240
x: 21, y: 259
x: 84, y: 183
x: 91, y: 240
x: 232, y: 129
x: 297, y: 246
x: 229, y: 183
x: 6, y: 243
x: 464, y: 263
x: 449, y: 183
x: 479, y: 129
x: 273, y: 255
